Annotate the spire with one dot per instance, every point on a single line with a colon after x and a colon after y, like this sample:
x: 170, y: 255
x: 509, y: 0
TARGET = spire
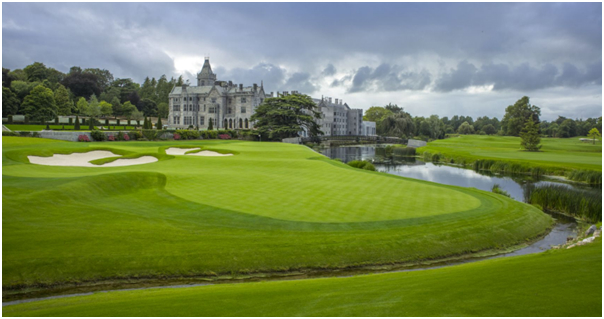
x: 206, y: 77
x: 261, y: 83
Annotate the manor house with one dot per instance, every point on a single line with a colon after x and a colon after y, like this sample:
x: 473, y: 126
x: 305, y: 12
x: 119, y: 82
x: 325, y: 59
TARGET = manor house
x: 227, y: 105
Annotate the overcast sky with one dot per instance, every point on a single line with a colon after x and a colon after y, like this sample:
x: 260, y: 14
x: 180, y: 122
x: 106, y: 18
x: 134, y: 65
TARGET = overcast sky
x: 430, y: 58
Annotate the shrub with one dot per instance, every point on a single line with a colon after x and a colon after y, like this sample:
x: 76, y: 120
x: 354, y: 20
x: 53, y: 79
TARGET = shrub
x: 497, y: 190
x: 77, y: 123
x: 9, y: 133
x: 10, y: 119
x: 176, y: 136
x: 404, y: 151
x: 436, y: 157
x: 120, y: 136
x: 35, y: 134
x: 224, y: 136
x: 135, y: 135
x: 47, y: 127
x: 98, y: 135
x: 362, y: 165
x: 111, y: 138
x: 25, y: 134
x: 151, y: 134
x: 57, y: 120
x: 587, y: 176
x: 83, y: 138
x: 26, y: 121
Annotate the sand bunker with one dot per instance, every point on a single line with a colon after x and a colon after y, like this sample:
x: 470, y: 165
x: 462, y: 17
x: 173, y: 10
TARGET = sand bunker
x: 83, y: 159
x: 179, y: 151
x: 209, y: 153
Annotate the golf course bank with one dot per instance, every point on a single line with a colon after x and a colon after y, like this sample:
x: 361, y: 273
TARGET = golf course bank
x: 565, y: 282
x: 266, y: 208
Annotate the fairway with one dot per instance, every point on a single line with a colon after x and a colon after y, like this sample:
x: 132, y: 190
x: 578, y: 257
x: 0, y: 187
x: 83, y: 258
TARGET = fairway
x: 269, y: 207
x: 565, y: 283
x: 556, y: 153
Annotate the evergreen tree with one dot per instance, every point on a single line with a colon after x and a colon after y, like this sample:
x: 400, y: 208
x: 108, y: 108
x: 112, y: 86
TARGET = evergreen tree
x: 530, y: 136
x: 10, y: 102
x: 159, y: 123
x: 91, y: 124
x: 210, y: 125
x: 117, y: 106
x: 76, y: 126
x: 63, y: 101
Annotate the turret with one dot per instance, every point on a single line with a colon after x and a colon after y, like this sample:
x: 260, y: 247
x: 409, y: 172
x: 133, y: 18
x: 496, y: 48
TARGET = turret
x: 206, y: 77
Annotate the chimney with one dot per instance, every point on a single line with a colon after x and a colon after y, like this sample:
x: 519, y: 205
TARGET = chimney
x: 341, y: 102
x: 271, y: 94
x: 230, y: 83
x: 336, y: 101
x: 240, y: 87
x: 255, y: 87
x: 329, y: 100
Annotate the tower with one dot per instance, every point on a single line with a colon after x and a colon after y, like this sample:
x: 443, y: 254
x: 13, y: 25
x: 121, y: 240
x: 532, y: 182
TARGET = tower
x: 206, y: 77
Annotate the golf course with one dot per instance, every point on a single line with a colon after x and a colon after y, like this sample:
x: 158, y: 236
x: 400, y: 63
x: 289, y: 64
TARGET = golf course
x: 553, y: 283
x: 268, y: 208
x: 557, y: 155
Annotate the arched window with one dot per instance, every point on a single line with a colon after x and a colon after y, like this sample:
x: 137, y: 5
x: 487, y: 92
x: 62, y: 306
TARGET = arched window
x: 240, y: 123
x: 230, y: 123
x: 247, y: 124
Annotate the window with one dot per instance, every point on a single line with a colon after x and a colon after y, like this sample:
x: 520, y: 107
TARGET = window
x: 176, y: 120
x: 202, y: 120
x: 213, y: 100
x: 176, y: 108
x: 243, y: 100
x: 204, y: 99
x: 228, y: 110
x: 243, y: 109
x: 212, y: 109
x: 188, y: 120
x: 261, y: 100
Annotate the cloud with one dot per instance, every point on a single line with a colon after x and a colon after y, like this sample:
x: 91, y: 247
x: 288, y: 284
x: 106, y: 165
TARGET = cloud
x: 522, y: 78
x: 388, y: 77
x: 329, y: 70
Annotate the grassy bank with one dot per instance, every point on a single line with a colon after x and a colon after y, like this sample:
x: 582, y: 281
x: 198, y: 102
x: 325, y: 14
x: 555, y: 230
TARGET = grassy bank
x: 270, y: 207
x: 579, y: 204
x: 570, y: 157
x: 565, y: 283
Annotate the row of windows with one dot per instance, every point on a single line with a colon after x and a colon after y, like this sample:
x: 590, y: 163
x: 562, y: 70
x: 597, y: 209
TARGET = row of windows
x: 242, y: 123
x: 184, y: 99
x: 196, y: 108
x: 192, y: 120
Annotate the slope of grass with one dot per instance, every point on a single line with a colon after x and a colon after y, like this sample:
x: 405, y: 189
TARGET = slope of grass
x: 557, y: 154
x: 271, y: 207
x: 566, y: 283
x: 83, y: 127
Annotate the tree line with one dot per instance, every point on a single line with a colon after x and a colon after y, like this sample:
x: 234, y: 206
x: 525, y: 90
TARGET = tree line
x: 43, y: 93
x: 392, y: 120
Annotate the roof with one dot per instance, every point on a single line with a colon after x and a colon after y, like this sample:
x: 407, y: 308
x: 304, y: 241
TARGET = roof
x: 206, y: 89
x: 206, y: 69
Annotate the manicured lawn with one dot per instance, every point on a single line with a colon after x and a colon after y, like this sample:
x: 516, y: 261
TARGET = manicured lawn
x: 83, y: 127
x: 556, y: 153
x: 270, y: 207
x: 560, y: 283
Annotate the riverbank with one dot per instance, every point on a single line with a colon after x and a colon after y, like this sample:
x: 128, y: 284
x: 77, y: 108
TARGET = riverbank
x: 571, y: 158
x: 565, y: 282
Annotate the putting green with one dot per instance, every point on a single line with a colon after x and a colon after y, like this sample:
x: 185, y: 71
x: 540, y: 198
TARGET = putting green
x: 269, y: 207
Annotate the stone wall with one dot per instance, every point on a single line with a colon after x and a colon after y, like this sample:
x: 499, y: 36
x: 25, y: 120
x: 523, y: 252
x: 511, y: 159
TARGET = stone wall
x: 64, y: 135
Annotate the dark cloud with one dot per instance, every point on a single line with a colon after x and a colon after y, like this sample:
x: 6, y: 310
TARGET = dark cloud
x: 329, y: 70
x: 300, y: 82
x: 523, y: 77
x: 388, y: 77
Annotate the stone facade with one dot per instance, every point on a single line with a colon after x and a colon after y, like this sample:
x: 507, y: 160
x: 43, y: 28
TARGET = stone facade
x: 339, y: 119
x: 229, y: 105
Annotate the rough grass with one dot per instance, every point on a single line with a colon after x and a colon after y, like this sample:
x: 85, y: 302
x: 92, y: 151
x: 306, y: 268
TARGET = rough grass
x: 503, y: 154
x: 580, y: 204
x: 565, y: 283
x: 272, y: 207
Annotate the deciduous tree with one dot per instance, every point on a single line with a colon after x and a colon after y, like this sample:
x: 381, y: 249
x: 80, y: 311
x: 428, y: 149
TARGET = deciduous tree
x: 40, y: 104
x: 64, y: 103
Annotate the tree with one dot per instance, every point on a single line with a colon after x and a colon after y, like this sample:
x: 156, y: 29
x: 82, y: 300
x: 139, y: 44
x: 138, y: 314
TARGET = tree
x: 376, y: 114
x: 82, y: 106
x: 398, y: 124
x: 40, y: 104
x: 393, y: 108
x: 76, y: 126
x: 163, y: 110
x: 104, y: 77
x: 565, y: 128
x: 286, y: 116
x: 117, y: 106
x: 136, y: 114
x: 10, y: 102
x: 128, y: 109
x: 148, y: 107
x: 159, y: 124
x: 489, y: 129
x: 82, y: 84
x: 36, y: 72
x: 530, y: 136
x: 594, y: 134
x: 465, y: 128
x: 210, y: 125
x: 63, y: 101
x: 518, y: 114
x: 94, y: 109
x: 106, y: 108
